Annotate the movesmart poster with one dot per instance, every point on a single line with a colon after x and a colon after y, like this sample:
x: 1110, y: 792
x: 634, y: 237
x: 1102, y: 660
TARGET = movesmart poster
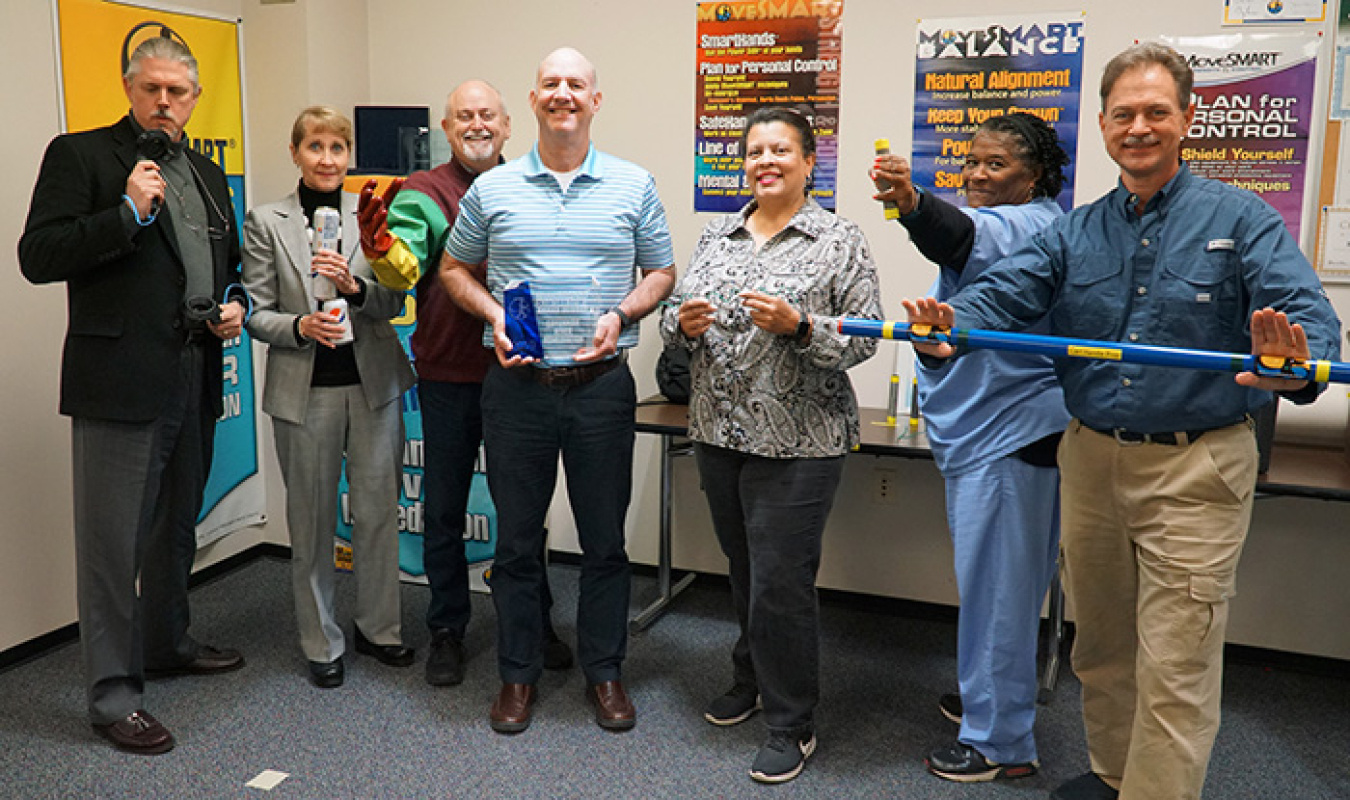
x: 1253, y: 100
x: 94, y: 39
x: 752, y: 54
x: 972, y: 68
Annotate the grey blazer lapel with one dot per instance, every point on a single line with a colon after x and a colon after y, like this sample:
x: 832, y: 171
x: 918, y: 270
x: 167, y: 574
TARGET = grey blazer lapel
x: 290, y: 224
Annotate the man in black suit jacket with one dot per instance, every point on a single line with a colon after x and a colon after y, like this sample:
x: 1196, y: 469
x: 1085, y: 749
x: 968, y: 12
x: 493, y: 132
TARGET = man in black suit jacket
x: 133, y: 240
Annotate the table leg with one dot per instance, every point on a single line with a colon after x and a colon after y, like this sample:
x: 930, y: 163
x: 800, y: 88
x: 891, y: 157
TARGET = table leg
x: 1055, y: 644
x: 667, y: 592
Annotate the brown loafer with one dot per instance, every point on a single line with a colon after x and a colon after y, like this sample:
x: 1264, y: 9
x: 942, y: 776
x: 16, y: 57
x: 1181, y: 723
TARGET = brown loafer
x: 513, y: 707
x: 139, y: 733
x: 613, y: 710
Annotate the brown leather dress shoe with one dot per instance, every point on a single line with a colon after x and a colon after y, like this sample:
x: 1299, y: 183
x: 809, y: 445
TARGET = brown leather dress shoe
x: 208, y: 661
x: 139, y: 733
x: 513, y: 707
x: 613, y: 710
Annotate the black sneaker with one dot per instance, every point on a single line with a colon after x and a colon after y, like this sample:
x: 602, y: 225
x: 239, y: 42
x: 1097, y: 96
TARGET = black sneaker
x: 737, y: 705
x: 962, y: 763
x: 1085, y: 787
x: 951, y: 708
x: 783, y: 756
x: 445, y: 663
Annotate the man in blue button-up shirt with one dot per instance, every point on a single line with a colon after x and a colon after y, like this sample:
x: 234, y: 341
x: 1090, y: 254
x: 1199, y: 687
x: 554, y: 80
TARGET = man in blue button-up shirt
x: 1158, y: 465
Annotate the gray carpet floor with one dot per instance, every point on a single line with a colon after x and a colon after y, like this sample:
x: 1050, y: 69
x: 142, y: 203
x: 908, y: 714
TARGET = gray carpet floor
x: 386, y: 734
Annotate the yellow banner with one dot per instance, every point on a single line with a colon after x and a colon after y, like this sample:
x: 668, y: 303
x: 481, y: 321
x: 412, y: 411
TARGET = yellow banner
x: 96, y: 39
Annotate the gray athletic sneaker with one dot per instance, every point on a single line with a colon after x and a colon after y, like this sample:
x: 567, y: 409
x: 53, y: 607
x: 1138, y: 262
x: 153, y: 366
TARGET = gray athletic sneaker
x: 964, y: 764
x: 737, y: 705
x: 783, y: 756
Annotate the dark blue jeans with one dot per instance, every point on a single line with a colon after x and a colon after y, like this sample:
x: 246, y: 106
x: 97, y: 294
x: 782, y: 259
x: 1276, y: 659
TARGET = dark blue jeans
x: 452, y: 429
x: 526, y: 425
x: 769, y: 515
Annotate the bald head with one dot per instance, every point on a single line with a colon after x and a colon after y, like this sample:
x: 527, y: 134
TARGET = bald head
x: 569, y: 59
x: 565, y: 99
x: 476, y: 124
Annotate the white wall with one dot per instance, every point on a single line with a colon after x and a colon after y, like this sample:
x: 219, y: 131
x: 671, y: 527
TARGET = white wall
x: 347, y: 52
x: 37, y: 585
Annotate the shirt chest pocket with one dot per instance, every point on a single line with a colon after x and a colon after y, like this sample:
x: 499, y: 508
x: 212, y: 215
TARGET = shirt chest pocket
x: 1201, y: 300
x: 1093, y: 297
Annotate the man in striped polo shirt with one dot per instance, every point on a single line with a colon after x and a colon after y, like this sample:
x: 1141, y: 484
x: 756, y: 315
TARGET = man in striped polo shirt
x: 589, y: 235
x: 403, y: 235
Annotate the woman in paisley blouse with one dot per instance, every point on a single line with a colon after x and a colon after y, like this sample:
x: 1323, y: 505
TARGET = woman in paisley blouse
x: 772, y: 414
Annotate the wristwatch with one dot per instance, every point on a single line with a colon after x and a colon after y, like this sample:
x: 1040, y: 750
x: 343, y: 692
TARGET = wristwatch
x: 624, y: 319
x: 803, y: 327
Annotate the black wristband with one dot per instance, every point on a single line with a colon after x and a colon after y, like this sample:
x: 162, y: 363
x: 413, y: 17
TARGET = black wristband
x: 624, y: 319
x: 803, y: 327
x: 913, y: 213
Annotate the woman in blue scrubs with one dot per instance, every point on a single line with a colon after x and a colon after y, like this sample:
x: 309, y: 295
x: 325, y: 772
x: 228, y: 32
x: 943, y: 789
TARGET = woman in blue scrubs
x: 994, y: 421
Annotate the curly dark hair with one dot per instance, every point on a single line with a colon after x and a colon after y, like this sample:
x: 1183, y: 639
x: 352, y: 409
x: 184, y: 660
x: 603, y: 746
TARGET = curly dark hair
x: 1037, y: 146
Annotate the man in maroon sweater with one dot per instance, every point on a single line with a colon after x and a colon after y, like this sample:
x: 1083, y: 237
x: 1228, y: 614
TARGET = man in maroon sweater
x: 403, y: 234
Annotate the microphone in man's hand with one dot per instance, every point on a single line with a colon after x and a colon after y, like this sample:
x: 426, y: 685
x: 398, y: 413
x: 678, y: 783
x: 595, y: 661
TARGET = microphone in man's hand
x: 153, y: 145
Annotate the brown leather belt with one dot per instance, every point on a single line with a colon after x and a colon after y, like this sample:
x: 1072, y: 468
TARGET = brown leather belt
x: 576, y: 375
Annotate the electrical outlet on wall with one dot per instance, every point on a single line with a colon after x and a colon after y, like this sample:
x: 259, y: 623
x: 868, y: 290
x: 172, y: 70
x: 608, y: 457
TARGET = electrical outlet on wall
x: 885, y: 487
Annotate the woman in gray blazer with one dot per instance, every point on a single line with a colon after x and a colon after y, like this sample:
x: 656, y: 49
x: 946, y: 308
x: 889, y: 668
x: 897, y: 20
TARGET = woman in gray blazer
x: 327, y: 399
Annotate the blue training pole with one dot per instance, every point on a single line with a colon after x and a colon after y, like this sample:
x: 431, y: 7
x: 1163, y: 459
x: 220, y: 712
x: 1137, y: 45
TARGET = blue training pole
x: 1063, y: 347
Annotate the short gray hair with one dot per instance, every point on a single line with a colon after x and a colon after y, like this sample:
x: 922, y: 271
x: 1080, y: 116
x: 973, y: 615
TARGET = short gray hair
x: 1145, y: 54
x: 165, y: 48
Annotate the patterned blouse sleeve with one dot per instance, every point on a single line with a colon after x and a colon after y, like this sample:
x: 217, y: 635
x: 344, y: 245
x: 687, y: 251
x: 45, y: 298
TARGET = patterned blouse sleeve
x: 854, y: 291
x: 670, y: 314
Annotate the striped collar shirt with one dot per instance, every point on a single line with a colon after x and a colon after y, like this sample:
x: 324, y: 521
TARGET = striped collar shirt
x: 579, y: 249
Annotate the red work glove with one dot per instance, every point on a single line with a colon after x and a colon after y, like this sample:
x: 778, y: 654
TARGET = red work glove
x: 371, y: 213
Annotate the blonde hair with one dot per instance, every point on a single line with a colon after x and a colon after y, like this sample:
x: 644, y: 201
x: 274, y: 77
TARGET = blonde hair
x: 321, y: 118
